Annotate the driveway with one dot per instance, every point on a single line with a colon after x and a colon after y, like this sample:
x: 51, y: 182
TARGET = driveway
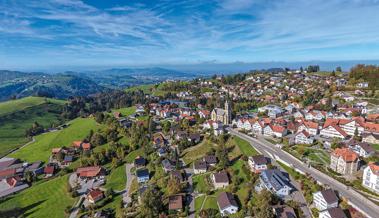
x: 358, y: 201
x: 191, y: 199
x: 129, y: 178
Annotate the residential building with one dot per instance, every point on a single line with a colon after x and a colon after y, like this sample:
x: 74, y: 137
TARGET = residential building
x: 363, y: 149
x: 258, y: 163
x: 370, y: 178
x: 372, y: 138
x: 333, y: 131
x: 211, y: 160
x: 142, y: 175
x: 91, y: 172
x: 200, y: 166
x: 325, y: 199
x: 275, y: 181
x: 227, y: 204
x: 333, y: 213
x: 304, y: 137
x: 175, y: 202
x: 344, y: 161
x: 275, y: 130
x: 95, y: 195
x: 220, y: 179
x: 283, y: 211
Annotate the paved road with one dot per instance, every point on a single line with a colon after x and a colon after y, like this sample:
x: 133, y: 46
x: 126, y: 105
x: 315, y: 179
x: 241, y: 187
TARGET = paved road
x: 129, y: 178
x: 359, y: 201
x: 189, y: 173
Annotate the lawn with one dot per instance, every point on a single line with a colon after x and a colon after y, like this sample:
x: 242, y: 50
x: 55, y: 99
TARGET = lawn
x: 117, y: 178
x: 193, y: 153
x: 145, y: 88
x: 23, y: 103
x: 200, y: 183
x: 244, y: 146
x: 198, y: 203
x: 41, y: 200
x: 14, y: 125
x: 126, y: 111
x: 375, y: 146
x: 210, y: 202
x: 77, y: 129
x: 132, y: 155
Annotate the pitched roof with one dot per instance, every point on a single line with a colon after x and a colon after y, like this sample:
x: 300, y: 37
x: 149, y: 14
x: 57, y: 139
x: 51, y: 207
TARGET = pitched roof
x: 200, y: 165
x: 346, y: 154
x: 368, y: 134
x: 259, y: 159
x: 374, y: 167
x: 372, y: 127
x: 86, y: 146
x: 226, y: 199
x: 329, y: 196
x: 49, y: 170
x: 221, y: 177
x: 305, y: 133
x: 210, y: 159
x: 142, y: 173
x: 175, y: 202
x: 277, y: 128
x: 336, y: 212
x: 77, y: 143
x: 89, y: 171
x: 95, y: 194
x: 284, y: 212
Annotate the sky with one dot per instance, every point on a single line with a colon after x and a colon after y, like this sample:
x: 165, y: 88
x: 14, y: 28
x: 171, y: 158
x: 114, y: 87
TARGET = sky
x: 50, y: 34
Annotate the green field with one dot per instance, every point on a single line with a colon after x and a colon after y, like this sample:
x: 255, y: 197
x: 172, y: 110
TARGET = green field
x: 193, y: 153
x: 244, y: 146
x: 145, y: 88
x: 17, y: 116
x: 23, y: 103
x: 200, y: 183
x: 126, y: 111
x: 117, y: 178
x: 132, y: 155
x: 77, y: 129
x: 47, y: 199
x: 198, y: 203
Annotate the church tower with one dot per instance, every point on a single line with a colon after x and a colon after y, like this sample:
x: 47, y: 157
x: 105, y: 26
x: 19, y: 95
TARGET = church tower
x: 228, y: 113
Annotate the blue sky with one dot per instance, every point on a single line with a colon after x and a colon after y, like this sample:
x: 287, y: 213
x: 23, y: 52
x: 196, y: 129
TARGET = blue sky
x: 63, y: 33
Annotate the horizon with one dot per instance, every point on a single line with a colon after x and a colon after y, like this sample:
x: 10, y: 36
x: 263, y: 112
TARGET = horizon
x: 67, y: 34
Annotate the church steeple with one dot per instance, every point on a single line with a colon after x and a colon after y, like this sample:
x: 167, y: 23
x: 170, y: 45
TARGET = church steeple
x: 228, y: 112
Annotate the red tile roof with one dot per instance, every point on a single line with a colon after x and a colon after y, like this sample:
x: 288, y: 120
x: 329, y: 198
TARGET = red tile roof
x: 346, y: 154
x: 88, y: 171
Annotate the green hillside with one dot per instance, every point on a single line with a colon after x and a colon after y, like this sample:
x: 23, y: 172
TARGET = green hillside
x: 77, y: 129
x: 17, y: 116
x: 47, y: 199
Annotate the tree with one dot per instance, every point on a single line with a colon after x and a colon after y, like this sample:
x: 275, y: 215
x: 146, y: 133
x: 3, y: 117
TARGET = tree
x: 222, y: 156
x: 173, y: 186
x: 262, y: 207
x: 151, y: 203
x: 97, y: 139
x: 338, y: 69
x: 29, y: 176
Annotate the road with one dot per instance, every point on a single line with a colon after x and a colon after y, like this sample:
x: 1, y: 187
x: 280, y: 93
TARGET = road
x: 189, y: 173
x: 129, y: 178
x: 359, y: 201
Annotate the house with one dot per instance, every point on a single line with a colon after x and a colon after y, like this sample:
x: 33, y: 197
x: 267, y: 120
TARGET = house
x: 142, y: 175
x: 220, y: 179
x: 226, y: 203
x: 371, y: 177
x: 91, y: 172
x: 258, y: 127
x: 175, y: 202
x: 304, y: 137
x: 86, y: 146
x: 200, y: 166
x: 363, y: 149
x: 325, y: 199
x: 204, y: 114
x: 139, y: 162
x: 178, y: 175
x: 275, y: 130
x: 211, y: 160
x: 258, y: 163
x: 283, y: 211
x: 332, y: 213
x: 167, y: 166
x: 194, y: 138
x: 333, y: 131
x: 162, y: 152
x: 362, y: 85
x: 49, y: 171
x: 77, y: 144
x: 275, y: 181
x: 372, y: 138
x: 95, y: 195
x: 309, y: 126
x: 67, y: 160
x: 344, y: 161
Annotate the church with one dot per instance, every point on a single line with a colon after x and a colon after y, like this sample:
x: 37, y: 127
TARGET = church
x: 222, y: 115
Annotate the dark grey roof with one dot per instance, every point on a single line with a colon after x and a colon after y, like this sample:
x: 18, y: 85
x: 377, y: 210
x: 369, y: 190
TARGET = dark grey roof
x: 200, y: 165
x: 336, y: 212
x: 210, y: 159
x: 259, y: 159
x: 142, y: 173
x: 367, y: 147
x: 221, y: 177
x: 275, y: 178
x: 329, y: 196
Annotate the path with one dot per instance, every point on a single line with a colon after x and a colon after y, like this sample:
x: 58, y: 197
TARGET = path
x: 357, y: 200
x: 129, y: 179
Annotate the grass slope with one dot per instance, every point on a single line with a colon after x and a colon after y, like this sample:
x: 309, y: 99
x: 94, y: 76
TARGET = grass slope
x: 23, y: 103
x: 126, y: 111
x: 117, y: 179
x: 47, y: 199
x: 244, y: 146
x: 19, y: 115
x: 41, y: 148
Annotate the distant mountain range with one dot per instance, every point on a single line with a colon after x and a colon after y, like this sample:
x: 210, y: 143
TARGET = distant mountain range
x: 62, y: 85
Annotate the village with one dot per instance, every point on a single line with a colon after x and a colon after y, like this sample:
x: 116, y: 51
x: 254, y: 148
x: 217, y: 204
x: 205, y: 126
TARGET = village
x: 215, y: 147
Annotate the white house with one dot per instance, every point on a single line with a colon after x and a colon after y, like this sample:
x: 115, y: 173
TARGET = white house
x: 371, y: 177
x: 333, y: 131
x: 304, y: 137
x: 274, y: 181
x: 363, y: 149
x: 325, y: 199
x: 227, y: 204
x: 275, y: 130
x: 220, y: 179
x: 310, y: 127
x: 258, y: 163
x: 258, y: 127
x: 349, y: 126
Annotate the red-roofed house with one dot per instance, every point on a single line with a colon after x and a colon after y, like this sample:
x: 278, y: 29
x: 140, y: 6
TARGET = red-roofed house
x: 371, y: 176
x: 275, y: 130
x: 344, y: 161
x: 304, y: 137
x: 95, y: 195
x: 90, y: 172
x: 77, y: 144
x: 333, y: 131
